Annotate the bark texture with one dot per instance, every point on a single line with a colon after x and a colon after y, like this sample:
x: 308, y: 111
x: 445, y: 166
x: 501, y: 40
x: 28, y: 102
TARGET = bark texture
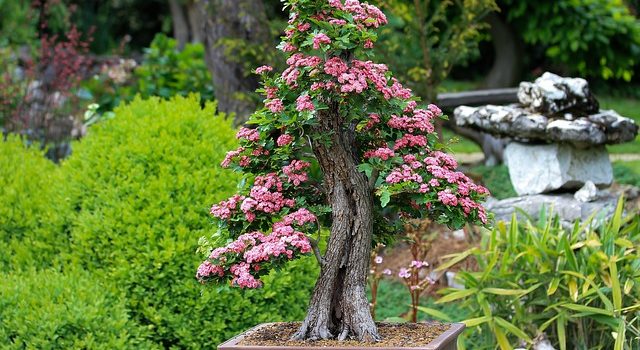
x: 229, y: 23
x: 339, y: 307
x: 507, y: 65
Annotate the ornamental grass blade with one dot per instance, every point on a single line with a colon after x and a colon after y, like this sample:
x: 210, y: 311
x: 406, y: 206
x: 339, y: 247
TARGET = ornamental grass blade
x: 615, y: 284
x: 435, y: 313
x: 502, y: 339
x: 620, y: 337
x: 562, y: 331
x: 587, y: 309
x: 458, y: 294
x: 456, y: 258
x: 513, y: 329
x: 472, y: 322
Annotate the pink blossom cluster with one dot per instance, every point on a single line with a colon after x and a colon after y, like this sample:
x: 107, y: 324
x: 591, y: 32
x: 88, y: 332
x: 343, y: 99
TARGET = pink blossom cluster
x: 304, y: 103
x: 290, y: 76
x: 300, y: 60
x: 248, y: 134
x: 320, y: 39
x: 225, y: 209
x: 419, y: 264
x: 295, y: 171
x: 230, y: 155
x: 271, y: 91
x: 265, y: 196
x: 366, y: 14
x: 383, y: 153
x: 284, y: 139
x: 403, y: 174
x: 374, y: 118
x: 410, y: 140
x: 263, y: 69
x: 275, y: 105
x: 256, y: 247
x: 420, y: 120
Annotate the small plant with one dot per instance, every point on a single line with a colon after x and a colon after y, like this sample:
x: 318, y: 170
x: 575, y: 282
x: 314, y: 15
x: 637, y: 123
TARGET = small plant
x: 578, y: 287
x: 375, y: 276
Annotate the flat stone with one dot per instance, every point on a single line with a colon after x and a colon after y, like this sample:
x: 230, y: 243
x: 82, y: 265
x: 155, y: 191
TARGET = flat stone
x: 521, y: 124
x: 564, y: 205
x: 535, y: 169
x: 552, y: 94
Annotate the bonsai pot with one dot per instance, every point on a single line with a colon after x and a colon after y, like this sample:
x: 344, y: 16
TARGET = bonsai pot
x: 254, y: 339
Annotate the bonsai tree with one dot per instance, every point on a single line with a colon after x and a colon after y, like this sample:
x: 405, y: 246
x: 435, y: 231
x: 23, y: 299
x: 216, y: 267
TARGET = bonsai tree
x: 340, y: 144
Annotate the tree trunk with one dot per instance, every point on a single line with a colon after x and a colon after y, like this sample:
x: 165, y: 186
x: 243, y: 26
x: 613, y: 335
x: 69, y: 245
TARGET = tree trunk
x: 230, y: 24
x: 179, y: 21
x: 507, y: 64
x: 339, y: 307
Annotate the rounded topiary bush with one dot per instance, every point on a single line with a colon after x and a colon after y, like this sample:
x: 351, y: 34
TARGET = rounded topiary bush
x: 33, y: 212
x: 141, y: 186
x: 50, y: 310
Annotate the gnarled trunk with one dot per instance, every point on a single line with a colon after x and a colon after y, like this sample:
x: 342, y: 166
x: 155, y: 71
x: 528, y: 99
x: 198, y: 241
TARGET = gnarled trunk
x: 339, y: 307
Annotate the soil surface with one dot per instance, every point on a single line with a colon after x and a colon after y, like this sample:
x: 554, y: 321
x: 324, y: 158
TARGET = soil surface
x: 393, y: 335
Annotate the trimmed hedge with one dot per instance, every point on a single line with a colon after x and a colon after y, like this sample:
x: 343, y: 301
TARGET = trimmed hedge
x: 33, y: 212
x: 141, y: 186
x: 50, y: 310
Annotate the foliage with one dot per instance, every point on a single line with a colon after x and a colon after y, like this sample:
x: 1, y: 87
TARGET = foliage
x: 590, y: 38
x: 496, y: 179
x: 33, y: 210
x: 164, y: 71
x: 19, y: 25
x: 50, y: 310
x: 394, y: 140
x: 579, y: 286
x: 140, y: 184
x: 627, y: 173
x: 426, y: 39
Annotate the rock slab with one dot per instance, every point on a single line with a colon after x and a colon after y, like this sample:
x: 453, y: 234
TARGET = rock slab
x: 536, y: 169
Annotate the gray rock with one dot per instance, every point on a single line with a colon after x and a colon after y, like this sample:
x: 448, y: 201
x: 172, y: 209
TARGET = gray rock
x: 564, y: 205
x: 588, y: 193
x: 518, y: 123
x: 551, y: 94
x: 537, y: 169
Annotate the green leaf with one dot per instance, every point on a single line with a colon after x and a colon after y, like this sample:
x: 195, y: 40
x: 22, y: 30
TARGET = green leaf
x: 513, y: 329
x: 385, y: 197
x: 472, y: 322
x: 435, y: 313
x: 615, y: 284
x: 459, y: 294
x: 587, y: 309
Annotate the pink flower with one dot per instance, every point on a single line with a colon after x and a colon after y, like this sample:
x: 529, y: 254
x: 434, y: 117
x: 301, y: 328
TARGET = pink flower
x: 419, y: 264
x: 319, y: 39
x: 336, y: 3
x: 271, y: 92
x: 383, y: 153
x: 447, y: 198
x: 263, y: 69
x: 284, y: 139
x: 404, y: 273
x: 303, y: 27
x: 230, y: 155
x: 275, y: 105
x: 368, y: 44
x: 387, y: 272
x: 287, y: 47
x: 304, y: 103
x: 295, y: 171
x: 335, y: 66
x: 378, y: 259
x: 248, y: 134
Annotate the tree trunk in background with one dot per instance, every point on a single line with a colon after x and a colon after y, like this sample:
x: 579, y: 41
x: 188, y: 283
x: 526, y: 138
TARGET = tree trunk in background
x: 339, y: 307
x: 196, y: 22
x: 179, y: 22
x: 507, y: 65
x: 230, y: 24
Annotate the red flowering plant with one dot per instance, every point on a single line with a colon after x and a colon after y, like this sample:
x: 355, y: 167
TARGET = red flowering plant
x: 338, y: 141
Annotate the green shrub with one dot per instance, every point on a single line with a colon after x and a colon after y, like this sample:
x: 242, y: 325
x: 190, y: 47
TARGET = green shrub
x: 142, y: 184
x: 32, y: 211
x: 51, y: 310
x: 581, y: 287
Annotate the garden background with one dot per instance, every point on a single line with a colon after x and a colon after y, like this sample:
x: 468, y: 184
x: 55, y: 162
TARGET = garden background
x: 115, y: 117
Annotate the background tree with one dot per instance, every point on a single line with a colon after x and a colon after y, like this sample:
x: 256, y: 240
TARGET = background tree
x: 236, y: 35
x: 339, y: 140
